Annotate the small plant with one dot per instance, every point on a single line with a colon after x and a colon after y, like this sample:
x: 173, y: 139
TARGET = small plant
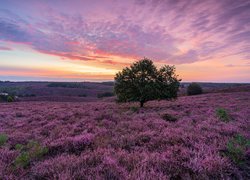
x: 194, y: 89
x: 3, y: 139
x: 10, y: 99
x: 36, y: 151
x: 237, y: 148
x: 19, y: 147
x: 223, y: 115
x: 32, y: 151
x: 23, y: 160
x: 169, y: 117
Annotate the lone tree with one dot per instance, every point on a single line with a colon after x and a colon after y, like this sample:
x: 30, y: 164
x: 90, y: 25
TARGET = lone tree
x: 142, y: 82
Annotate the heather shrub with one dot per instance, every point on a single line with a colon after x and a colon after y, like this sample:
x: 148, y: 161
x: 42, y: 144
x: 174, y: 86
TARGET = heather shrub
x: 134, y: 109
x: 169, y: 117
x: 237, y: 148
x: 194, y: 89
x: 3, y: 139
x: 223, y: 115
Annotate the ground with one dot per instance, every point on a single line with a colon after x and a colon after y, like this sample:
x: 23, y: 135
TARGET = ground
x: 182, y: 139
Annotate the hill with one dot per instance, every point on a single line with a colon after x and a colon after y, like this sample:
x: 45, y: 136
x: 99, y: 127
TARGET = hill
x: 185, y: 139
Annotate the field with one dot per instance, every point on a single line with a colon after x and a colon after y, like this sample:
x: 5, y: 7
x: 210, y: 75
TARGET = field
x: 194, y: 137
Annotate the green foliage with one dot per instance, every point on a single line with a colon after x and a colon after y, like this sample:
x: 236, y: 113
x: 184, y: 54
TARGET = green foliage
x: 142, y: 82
x: 105, y: 94
x: 67, y: 84
x: 3, y: 139
x: 36, y: 151
x: 237, y: 148
x: 19, y: 147
x: 194, y: 89
x: 223, y: 115
x: 10, y: 99
x: 169, y: 117
x: 11, y: 90
x: 22, y: 160
x: 32, y: 151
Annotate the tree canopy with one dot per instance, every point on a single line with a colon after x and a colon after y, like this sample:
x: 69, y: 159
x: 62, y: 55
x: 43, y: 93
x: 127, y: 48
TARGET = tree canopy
x: 143, y: 82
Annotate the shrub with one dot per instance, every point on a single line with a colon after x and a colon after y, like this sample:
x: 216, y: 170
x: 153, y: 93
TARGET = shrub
x: 143, y: 82
x: 3, y: 139
x: 223, y: 115
x: 23, y: 160
x: 169, y: 117
x: 106, y: 94
x: 32, y: 151
x: 194, y: 89
x: 237, y: 148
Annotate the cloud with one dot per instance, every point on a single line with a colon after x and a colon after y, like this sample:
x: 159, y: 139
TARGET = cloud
x: 3, y: 48
x: 169, y: 31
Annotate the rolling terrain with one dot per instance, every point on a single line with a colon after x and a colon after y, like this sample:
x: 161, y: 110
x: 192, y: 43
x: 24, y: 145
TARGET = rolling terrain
x: 182, y: 139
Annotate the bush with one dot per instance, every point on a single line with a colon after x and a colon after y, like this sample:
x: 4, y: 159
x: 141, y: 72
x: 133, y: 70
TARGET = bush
x: 3, y: 139
x: 223, y: 115
x: 237, y: 148
x: 106, y: 94
x: 32, y: 151
x: 23, y: 160
x: 194, y: 89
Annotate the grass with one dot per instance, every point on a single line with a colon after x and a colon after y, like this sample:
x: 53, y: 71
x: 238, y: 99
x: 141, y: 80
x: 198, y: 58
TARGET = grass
x: 3, y: 139
x: 223, y: 115
x: 237, y: 148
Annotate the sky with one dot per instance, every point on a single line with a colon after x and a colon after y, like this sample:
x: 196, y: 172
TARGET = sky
x: 91, y: 40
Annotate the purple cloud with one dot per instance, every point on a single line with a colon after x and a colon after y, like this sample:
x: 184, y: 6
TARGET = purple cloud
x: 168, y: 31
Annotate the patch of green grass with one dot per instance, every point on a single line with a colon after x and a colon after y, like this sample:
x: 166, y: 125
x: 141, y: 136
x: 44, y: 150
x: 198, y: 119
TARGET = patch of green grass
x: 3, y: 139
x: 29, y: 152
x: 237, y: 148
x: 23, y: 160
x: 223, y: 114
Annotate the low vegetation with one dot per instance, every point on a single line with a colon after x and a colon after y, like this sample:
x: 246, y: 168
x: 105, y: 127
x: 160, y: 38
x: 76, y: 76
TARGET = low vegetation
x: 169, y: 117
x: 223, y: 114
x: 106, y: 140
x: 237, y: 149
x: 105, y: 94
x: 29, y: 152
x: 3, y: 139
x: 194, y: 89
x: 67, y: 84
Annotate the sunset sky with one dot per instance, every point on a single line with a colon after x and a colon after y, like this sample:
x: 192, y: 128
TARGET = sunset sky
x: 90, y: 40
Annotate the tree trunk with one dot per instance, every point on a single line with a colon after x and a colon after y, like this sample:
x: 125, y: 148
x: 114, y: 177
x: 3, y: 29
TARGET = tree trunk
x: 141, y: 104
